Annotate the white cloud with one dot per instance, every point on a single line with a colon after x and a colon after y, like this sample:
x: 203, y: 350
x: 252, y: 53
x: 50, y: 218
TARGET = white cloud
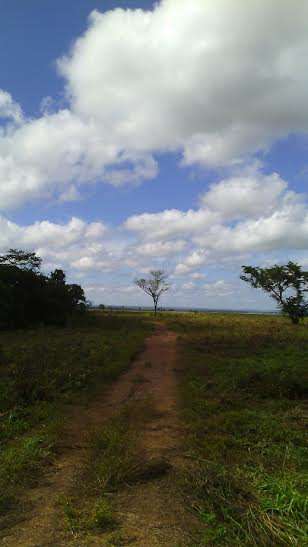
x: 222, y: 75
x: 74, y: 245
x: 56, y: 153
x: 219, y: 288
x: 249, y: 213
x: 170, y: 223
x: 216, y: 80
x: 213, y: 80
x: 194, y: 260
x: 245, y: 196
x: 9, y: 109
x: 238, y: 218
x: 246, y: 225
x: 160, y: 248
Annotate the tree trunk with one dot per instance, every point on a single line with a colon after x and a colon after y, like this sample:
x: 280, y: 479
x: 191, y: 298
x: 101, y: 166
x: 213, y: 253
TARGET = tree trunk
x: 295, y: 319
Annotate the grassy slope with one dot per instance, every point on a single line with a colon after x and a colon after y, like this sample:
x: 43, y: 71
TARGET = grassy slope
x: 243, y: 398
x: 43, y: 369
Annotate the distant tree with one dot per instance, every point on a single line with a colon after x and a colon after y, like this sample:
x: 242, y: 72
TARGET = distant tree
x: 287, y: 285
x: 154, y: 286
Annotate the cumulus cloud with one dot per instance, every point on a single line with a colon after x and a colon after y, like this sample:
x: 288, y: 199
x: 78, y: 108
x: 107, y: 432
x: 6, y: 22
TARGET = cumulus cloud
x: 249, y: 213
x: 9, y: 109
x: 171, y: 223
x: 243, y: 219
x: 192, y: 261
x: 215, y: 81
x: 245, y: 196
x: 55, y: 153
x: 68, y: 245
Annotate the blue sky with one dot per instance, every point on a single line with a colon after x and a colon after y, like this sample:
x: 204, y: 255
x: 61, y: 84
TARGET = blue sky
x: 155, y: 135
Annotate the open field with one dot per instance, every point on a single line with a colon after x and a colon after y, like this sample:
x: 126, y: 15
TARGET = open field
x: 243, y: 395
x: 186, y: 430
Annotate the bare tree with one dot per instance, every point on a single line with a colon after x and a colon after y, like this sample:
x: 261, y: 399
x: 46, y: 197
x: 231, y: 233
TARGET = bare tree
x: 155, y: 286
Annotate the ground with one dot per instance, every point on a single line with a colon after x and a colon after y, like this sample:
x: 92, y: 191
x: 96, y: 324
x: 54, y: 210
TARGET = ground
x: 191, y: 434
x: 149, y: 511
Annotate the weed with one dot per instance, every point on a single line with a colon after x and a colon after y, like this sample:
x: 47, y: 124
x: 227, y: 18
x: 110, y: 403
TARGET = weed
x: 96, y: 516
x: 115, y: 459
x: 102, y: 516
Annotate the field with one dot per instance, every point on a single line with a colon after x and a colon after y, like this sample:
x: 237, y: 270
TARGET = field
x: 184, y: 430
x: 42, y: 374
x: 243, y: 397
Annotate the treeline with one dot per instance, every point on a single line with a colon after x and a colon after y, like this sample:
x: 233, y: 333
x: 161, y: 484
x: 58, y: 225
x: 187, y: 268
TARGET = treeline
x: 28, y: 297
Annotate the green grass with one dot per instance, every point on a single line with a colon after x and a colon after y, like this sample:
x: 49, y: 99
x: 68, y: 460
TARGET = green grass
x: 243, y: 396
x: 98, y: 517
x: 40, y: 372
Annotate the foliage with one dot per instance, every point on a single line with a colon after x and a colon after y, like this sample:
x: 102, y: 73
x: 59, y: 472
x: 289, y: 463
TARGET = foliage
x: 286, y: 284
x: 154, y: 286
x: 22, y: 259
x: 28, y: 297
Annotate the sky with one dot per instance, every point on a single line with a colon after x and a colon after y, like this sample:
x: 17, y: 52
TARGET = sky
x: 139, y: 135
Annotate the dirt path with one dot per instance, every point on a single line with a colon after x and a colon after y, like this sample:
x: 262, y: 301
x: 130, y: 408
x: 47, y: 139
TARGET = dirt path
x: 150, y: 513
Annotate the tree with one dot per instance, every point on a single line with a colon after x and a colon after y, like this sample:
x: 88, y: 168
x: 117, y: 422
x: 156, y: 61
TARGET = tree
x: 24, y: 260
x: 28, y: 297
x: 58, y: 277
x: 155, y: 286
x: 287, y: 285
x: 76, y: 296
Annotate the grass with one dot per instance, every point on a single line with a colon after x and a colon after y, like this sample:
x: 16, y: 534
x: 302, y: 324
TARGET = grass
x: 243, y: 390
x: 40, y: 372
x: 98, y: 517
x: 243, y: 396
x: 114, y: 462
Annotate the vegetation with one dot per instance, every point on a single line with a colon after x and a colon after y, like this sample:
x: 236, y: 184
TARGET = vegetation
x: 114, y: 462
x: 285, y: 284
x: 243, y: 400
x: 155, y: 286
x: 29, y: 297
x: 243, y: 384
x: 40, y: 371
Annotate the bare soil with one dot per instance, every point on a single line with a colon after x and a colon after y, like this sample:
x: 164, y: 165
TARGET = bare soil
x: 150, y: 513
